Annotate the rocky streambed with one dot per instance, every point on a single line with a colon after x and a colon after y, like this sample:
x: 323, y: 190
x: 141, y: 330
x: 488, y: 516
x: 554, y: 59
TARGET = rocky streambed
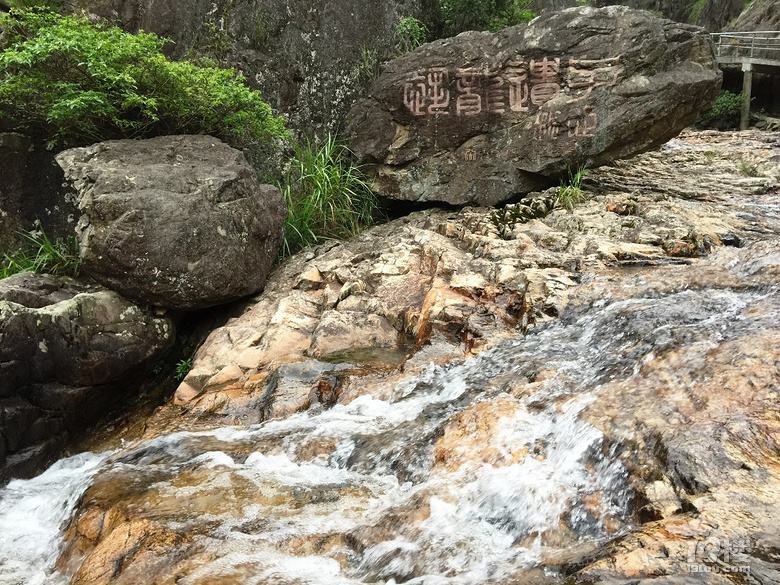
x: 451, y: 398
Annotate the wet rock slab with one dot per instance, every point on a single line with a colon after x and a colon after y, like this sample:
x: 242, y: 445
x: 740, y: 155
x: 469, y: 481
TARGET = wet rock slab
x: 458, y: 283
x: 67, y: 348
x: 619, y: 441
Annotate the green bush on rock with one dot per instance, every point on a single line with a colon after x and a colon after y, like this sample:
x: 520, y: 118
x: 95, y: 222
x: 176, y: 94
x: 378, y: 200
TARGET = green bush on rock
x: 76, y: 82
x: 726, y: 111
x: 410, y: 33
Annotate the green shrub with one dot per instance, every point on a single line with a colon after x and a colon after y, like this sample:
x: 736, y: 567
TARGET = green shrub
x: 748, y: 169
x: 517, y: 12
x: 24, y: 4
x: 326, y: 196
x: 462, y: 15
x: 183, y: 368
x: 571, y: 193
x: 410, y: 33
x: 41, y: 255
x: 78, y: 83
x: 726, y: 112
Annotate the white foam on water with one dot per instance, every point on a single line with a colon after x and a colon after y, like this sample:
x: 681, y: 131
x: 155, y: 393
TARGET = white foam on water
x: 214, y: 459
x: 479, y: 515
x: 375, y: 478
x: 33, y: 514
x: 261, y: 567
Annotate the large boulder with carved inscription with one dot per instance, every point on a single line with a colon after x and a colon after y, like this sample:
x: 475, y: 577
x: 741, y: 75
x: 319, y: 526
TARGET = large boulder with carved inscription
x: 484, y: 117
x: 174, y: 221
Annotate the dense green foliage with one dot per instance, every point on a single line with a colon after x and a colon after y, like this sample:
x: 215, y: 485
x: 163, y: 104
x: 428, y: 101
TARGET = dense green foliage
x: 410, y: 33
x: 461, y: 15
x: 24, y: 4
x: 77, y: 82
x: 726, y: 111
x: 326, y: 197
x: 42, y: 255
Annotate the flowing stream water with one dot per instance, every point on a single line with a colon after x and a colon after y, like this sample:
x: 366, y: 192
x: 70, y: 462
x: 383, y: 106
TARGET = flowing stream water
x: 466, y: 473
x: 361, y: 492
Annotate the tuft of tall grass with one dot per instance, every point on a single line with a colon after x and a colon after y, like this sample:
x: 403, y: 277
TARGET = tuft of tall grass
x: 571, y: 193
x: 40, y: 254
x: 327, y: 197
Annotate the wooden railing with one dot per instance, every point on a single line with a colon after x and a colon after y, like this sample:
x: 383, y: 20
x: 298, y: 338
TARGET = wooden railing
x: 758, y: 47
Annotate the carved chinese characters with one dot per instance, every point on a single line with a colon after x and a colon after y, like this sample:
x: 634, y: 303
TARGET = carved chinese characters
x: 545, y: 80
x: 519, y: 88
x: 552, y: 125
x: 469, y: 102
x: 585, y: 74
x: 522, y: 85
x: 428, y: 93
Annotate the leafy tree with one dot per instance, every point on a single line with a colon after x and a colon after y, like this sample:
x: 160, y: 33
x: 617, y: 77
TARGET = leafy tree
x: 76, y: 82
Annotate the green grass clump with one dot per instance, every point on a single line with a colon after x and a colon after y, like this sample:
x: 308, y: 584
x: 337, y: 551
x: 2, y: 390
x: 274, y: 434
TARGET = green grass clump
x: 78, y: 82
x: 748, y: 169
x: 696, y: 11
x: 571, y: 193
x: 327, y: 197
x: 42, y: 255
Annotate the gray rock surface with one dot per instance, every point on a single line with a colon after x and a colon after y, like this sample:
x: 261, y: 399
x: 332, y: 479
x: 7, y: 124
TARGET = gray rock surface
x: 174, y: 221
x: 763, y: 15
x: 481, y: 118
x: 711, y: 14
x: 31, y: 193
x: 66, y: 351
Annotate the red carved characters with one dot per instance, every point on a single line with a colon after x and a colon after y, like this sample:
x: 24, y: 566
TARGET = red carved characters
x: 521, y: 85
x: 428, y: 93
x: 545, y: 80
x: 469, y: 102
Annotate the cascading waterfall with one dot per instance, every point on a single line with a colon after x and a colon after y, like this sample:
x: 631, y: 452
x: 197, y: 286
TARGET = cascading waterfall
x: 364, y: 478
x: 33, y: 513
